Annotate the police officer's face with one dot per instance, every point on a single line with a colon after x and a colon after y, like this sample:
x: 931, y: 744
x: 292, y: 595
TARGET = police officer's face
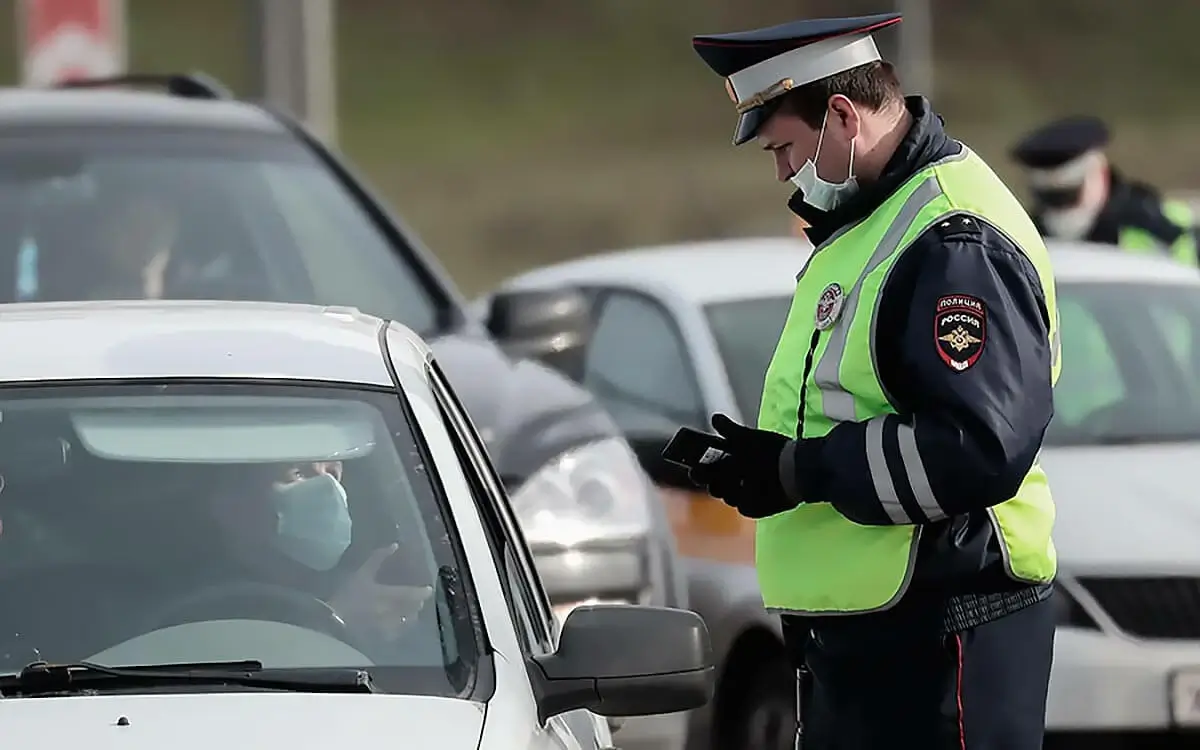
x: 1070, y: 200
x: 792, y: 141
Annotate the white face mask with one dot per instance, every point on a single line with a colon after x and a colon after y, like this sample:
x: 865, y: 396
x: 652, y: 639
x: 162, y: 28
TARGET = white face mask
x: 819, y: 193
x: 1072, y: 223
x: 1088, y: 178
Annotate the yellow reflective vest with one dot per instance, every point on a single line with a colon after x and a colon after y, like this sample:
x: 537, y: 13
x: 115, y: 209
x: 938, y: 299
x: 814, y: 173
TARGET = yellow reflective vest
x: 813, y: 560
x: 1183, y: 249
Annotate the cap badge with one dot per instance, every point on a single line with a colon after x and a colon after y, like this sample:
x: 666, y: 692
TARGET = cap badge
x: 774, y: 91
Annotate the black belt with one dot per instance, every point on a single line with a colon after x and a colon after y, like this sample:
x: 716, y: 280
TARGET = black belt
x: 967, y: 611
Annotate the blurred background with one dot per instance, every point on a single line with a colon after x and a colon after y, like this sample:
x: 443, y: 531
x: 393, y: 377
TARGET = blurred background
x: 510, y: 133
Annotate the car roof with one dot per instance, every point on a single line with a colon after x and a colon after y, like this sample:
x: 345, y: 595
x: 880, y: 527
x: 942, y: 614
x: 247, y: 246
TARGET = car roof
x: 717, y: 270
x: 47, y: 341
x: 704, y: 271
x: 48, y: 107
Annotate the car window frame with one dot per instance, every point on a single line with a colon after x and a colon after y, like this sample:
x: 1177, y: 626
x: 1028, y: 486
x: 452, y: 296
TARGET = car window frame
x: 603, y: 294
x: 528, y: 602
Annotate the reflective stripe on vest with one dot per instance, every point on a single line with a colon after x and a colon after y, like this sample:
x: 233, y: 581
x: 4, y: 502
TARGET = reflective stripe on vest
x: 812, y: 559
x: 837, y: 404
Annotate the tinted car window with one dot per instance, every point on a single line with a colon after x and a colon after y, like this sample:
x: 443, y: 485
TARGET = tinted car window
x: 746, y: 332
x: 180, y: 214
x: 1131, y: 364
x: 194, y: 523
x: 1091, y: 377
x: 1131, y: 360
x: 637, y: 361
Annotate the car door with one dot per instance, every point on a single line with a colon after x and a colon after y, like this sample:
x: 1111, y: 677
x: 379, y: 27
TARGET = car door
x: 530, y: 607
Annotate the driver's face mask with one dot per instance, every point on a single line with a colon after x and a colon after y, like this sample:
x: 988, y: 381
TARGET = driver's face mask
x: 314, y: 521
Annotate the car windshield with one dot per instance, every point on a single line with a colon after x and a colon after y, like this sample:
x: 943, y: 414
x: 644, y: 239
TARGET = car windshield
x: 1131, y: 360
x: 135, y: 213
x: 183, y: 523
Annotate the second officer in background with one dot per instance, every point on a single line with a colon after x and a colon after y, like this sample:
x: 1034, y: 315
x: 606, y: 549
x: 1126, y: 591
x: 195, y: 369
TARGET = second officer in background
x: 903, y: 521
x: 1079, y: 195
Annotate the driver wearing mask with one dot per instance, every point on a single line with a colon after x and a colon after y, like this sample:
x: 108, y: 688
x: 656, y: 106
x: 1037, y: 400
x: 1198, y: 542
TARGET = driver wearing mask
x: 291, y: 526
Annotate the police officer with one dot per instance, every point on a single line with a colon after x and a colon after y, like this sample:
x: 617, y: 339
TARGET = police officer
x: 904, y: 524
x: 1078, y: 195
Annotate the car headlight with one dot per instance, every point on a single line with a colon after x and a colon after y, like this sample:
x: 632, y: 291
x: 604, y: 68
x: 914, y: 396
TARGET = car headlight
x: 592, y: 493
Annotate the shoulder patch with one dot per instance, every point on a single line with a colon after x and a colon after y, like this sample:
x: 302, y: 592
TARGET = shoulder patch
x: 960, y: 330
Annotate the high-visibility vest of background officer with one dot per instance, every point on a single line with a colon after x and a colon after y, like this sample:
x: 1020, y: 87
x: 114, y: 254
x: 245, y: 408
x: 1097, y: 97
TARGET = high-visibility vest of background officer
x: 1078, y: 195
x: 903, y: 520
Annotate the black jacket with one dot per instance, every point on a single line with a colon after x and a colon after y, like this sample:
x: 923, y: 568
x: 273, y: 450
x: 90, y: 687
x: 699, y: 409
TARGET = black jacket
x: 976, y: 421
x: 1130, y: 204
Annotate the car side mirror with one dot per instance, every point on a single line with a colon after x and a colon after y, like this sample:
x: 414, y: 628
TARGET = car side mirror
x: 626, y: 660
x: 552, y: 326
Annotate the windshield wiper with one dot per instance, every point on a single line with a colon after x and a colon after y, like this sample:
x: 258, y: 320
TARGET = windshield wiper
x: 41, y: 679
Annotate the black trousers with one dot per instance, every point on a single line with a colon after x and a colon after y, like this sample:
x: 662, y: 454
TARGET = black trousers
x: 881, y: 685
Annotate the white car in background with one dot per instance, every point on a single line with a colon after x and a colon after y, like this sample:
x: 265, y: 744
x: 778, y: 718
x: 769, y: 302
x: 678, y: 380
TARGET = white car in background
x: 701, y: 320
x: 248, y: 525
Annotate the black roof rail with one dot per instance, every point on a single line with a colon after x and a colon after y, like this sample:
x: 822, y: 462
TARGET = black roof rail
x: 188, y: 85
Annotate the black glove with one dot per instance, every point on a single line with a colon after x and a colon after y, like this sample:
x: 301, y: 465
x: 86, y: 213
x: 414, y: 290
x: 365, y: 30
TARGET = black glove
x: 747, y: 477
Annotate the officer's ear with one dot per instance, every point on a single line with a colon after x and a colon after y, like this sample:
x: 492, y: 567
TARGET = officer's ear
x: 843, y: 116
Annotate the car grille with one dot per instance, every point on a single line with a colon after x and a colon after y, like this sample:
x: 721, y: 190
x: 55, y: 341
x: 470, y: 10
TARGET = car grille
x: 1160, y: 607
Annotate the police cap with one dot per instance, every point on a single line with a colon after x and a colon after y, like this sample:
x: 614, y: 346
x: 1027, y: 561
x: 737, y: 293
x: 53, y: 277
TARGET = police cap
x: 1060, y: 142
x: 761, y: 65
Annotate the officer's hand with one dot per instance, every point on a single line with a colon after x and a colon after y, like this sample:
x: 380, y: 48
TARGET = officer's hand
x: 749, y: 479
x: 717, y: 477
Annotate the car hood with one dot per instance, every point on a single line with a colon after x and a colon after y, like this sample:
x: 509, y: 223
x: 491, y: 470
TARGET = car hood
x: 1127, y: 508
x: 525, y: 412
x: 242, y: 721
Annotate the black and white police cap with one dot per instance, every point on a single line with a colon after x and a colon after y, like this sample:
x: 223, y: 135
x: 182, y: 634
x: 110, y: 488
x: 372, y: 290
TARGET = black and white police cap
x: 761, y: 65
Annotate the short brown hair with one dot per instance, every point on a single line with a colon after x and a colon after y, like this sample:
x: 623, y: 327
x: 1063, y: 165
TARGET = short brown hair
x: 874, y: 86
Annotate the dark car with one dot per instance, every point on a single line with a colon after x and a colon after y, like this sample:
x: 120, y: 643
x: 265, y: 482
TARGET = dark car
x: 182, y: 192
